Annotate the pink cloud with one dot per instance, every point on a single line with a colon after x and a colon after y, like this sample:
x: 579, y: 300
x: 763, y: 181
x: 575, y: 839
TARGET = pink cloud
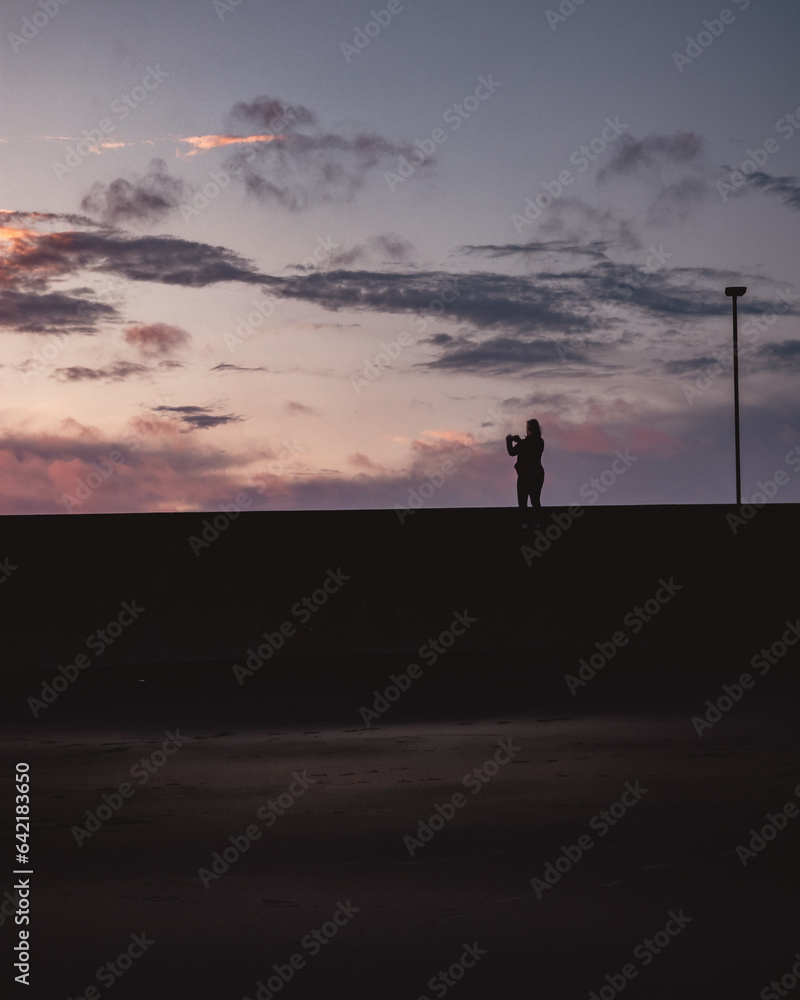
x: 652, y: 442
x: 156, y: 338
x: 585, y: 437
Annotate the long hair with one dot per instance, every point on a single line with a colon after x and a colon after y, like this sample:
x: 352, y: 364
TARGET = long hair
x: 532, y: 427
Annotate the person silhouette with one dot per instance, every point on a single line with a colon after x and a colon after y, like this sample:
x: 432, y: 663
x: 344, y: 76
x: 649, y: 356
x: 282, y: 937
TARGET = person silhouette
x: 530, y: 472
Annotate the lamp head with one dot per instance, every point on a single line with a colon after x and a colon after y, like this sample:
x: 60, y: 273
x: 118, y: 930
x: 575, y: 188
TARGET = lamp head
x: 735, y: 290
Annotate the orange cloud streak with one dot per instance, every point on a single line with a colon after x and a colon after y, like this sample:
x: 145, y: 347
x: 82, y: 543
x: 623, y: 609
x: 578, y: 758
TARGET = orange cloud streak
x: 203, y: 142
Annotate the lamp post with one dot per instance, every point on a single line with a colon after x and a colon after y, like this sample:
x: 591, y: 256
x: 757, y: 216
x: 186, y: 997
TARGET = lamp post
x: 734, y: 292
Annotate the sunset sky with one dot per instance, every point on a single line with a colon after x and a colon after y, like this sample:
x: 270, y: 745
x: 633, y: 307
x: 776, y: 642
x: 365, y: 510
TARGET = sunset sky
x: 312, y: 253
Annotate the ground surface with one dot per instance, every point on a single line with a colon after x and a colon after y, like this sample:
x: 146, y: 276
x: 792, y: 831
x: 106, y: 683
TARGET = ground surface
x: 342, y: 840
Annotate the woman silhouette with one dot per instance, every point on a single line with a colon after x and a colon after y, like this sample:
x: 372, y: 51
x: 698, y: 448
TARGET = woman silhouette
x: 530, y: 473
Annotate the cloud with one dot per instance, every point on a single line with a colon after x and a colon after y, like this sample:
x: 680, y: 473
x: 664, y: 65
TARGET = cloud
x: 292, y: 406
x: 500, y: 355
x: 780, y: 356
x: 198, y: 417
x: 117, y: 372
x: 674, y: 166
x: 153, y: 339
x: 144, y: 199
x: 201, y: 143
x: 42, y: 256
x: 386, y: 248
x: 581, y: 304
x: 485, y: 299
x: 311, y: 166
x: 595, y: 249
x: 273, y: 115
x: 226, y: 367
x: 649, y: 155
x: 787, y: 189
x: 152, y: 469
x: 28, y: 312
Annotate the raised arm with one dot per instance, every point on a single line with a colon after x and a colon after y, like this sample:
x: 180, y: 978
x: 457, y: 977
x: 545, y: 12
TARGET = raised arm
x: 512, y: 446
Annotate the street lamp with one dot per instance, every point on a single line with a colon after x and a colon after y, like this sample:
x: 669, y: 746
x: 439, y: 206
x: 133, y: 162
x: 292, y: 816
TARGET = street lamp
x: 734, y: 292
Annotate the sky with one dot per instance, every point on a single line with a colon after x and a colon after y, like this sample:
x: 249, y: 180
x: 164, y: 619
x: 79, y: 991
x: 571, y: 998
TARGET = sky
x: 323, y: 255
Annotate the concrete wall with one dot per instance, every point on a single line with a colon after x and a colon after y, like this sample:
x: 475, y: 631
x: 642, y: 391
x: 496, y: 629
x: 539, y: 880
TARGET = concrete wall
x: 207, y: 603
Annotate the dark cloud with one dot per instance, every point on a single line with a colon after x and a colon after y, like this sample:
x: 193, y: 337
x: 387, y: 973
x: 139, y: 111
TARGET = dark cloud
x: 689, y: 366
x: 568, y: 301
x: 311, y: 166
x: 501, y: 355
x: 635, y: 156
x: 117, y: 372
x: 385, y: 248
x: 481, y: 298
x: 164, y: 259
x: 29, y: 312
x: 596, y: 249
x: 148, y: 198
x: 678, y: 200
x: 226, y: 367
x: 391, y: 246
x: 780, y: 356
x: 198, y: 417
x: 787, y: 189
x: 572, y: 222
x: 267, y: 114
x: 674, y: 166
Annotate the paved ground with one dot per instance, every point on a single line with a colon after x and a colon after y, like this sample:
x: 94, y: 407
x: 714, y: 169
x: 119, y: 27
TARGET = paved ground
x: 351, y: 796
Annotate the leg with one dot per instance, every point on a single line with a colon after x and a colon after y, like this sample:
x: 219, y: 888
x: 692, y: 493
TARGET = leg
x: 536, y: 495
x: 522, y: 493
